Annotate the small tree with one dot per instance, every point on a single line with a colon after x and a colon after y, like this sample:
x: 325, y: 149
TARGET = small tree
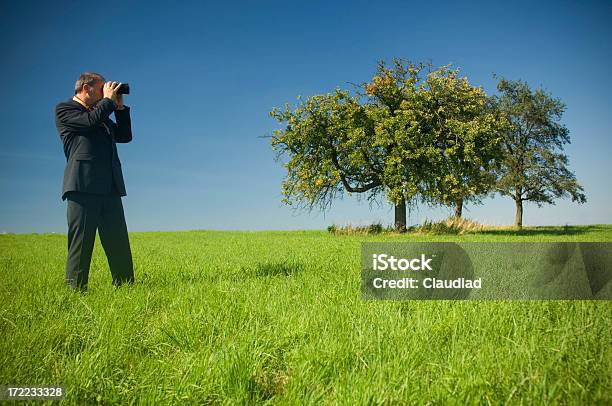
x: 534, y: 168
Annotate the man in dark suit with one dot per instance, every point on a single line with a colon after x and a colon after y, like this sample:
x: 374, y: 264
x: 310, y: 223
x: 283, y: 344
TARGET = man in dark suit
x: 93, y: 181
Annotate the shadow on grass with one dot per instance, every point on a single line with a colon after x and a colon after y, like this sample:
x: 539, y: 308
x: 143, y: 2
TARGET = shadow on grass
x: 277, y: 269
x: 546, y: 230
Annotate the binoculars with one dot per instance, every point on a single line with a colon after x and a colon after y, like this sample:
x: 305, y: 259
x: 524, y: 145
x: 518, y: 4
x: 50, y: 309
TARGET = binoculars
x: 124, y: 88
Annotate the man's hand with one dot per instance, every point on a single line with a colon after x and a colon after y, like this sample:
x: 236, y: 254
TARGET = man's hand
x: 110, y: 91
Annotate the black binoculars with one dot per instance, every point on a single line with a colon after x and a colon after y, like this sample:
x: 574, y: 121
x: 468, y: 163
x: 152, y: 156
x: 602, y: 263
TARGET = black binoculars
x: 124, y: 88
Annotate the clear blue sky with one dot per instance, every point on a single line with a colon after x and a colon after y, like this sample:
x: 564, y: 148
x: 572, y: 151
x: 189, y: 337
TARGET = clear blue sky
x: 204, y: 76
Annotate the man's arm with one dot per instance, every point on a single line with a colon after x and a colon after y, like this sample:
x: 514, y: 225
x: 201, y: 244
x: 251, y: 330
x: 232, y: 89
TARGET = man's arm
x: 123, y: 128
x: 76, y: 119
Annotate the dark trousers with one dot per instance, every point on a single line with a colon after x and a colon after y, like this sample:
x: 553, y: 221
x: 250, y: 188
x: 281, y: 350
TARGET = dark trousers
x: 86, y: 214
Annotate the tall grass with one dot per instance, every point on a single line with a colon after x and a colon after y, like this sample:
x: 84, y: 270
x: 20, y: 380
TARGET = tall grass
x: 276, y: 317
x: 454, y: 225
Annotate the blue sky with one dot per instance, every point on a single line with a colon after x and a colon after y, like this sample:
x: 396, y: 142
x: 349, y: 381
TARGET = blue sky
x: 204, y: 76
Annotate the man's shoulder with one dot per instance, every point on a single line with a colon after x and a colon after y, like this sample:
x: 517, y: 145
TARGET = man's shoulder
x: 69, y: 103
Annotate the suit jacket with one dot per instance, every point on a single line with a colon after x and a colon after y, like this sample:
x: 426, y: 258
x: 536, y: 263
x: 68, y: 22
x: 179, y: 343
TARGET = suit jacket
x: 89, y: 138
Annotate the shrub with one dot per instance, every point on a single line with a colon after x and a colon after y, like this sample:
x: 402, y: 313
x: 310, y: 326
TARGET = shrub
x: 376, y: 228
x: 452, y: 225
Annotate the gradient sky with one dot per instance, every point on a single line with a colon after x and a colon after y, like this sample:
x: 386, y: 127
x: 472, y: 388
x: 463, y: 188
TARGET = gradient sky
x: 204, y: 76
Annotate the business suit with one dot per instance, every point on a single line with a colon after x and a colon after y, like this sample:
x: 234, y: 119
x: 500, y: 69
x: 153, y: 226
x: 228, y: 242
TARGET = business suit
x: 93, y: 185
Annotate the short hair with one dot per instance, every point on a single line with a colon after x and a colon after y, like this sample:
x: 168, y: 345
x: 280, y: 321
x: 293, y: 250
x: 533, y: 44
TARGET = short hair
x: 86, y: 78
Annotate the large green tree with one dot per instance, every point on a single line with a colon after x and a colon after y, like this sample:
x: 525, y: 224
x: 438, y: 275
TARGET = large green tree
x: 534, y: 167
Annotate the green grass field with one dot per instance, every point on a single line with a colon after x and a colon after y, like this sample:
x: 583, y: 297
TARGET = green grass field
x: 277, y: 317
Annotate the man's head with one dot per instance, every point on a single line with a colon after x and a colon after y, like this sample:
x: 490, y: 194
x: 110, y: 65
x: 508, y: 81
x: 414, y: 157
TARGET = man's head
x: 88, y: 87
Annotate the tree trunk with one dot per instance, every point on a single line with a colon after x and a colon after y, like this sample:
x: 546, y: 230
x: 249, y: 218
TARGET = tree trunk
x: 400, y: 216
x: 518, y: 217
x: 458, y: 208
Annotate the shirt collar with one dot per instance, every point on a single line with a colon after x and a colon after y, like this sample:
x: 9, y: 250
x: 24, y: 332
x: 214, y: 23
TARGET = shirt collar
x: 76, y: 99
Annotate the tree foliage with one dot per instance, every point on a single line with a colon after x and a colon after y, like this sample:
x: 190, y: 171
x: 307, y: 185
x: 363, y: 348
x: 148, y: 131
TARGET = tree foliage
x: 329, y: 141
x: 467, y: 131
x: 534, y: 168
